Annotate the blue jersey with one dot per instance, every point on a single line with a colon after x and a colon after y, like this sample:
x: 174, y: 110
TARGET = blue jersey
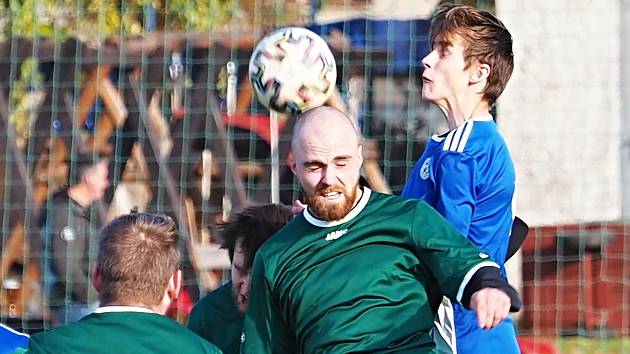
x: 468, y: 176
x: 11, y: 340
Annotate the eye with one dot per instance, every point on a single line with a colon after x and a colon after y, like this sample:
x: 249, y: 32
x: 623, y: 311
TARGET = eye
x: 313, y: 168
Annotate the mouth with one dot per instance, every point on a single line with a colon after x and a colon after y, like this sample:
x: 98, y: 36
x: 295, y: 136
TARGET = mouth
x: 331, y: 195
x: 243, y: 299
x: 426, y: 80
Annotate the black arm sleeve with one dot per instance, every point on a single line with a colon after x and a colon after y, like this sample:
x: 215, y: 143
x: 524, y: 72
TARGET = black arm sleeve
x: 489, y: 277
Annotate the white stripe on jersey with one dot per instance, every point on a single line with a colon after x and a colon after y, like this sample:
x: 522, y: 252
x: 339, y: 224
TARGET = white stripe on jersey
x: 456, y: 140
x: 469, y: 275
x: 465, y: 136
x: 448, y: 140
x: 457, y: 136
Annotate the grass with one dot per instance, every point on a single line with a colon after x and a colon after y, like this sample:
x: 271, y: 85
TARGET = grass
x: 581, y: 345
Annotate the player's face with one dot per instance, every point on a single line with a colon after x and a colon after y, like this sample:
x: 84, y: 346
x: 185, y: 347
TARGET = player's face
x: 327, y: 165
x: 240, y: 278
x: 444, y: 79
x: 97, y: 179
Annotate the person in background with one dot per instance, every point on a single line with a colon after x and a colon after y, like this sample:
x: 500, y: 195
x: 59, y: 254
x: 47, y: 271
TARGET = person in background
x: 137, y: 276
x: 68, y: 224
x: 218, y: 316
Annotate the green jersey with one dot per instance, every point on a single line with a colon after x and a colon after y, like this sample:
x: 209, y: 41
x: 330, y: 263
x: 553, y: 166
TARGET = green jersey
x: 121, y: 330
x: 370, y: 282
x: 216, y: 318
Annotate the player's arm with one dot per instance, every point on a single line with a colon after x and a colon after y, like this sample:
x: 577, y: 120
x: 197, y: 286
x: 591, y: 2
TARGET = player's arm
x: 460, y: 269
x: 455, y: 182
x: 490, y: 296
x: 410, y: 190
x: 264, y: 331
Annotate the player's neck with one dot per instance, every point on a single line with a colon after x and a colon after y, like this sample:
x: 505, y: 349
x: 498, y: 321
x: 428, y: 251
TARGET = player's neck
x: 460, y: 111
x: 157, y: 308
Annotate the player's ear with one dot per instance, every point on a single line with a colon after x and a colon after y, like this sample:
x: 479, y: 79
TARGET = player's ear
x: 360, y: 152
x: 291, y: 162
x: 97, y: 280
x: 479, y: 72
x: 174, y: 285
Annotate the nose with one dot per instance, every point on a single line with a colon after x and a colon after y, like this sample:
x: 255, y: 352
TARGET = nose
x: 329, y: 176
x: 429, y: 59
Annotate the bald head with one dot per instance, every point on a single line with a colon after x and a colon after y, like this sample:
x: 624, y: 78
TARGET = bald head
x: 327, y: 158
x: 322, y: 121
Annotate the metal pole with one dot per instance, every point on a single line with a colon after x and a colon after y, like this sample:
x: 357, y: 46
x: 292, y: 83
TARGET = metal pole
x: 625, y: 108
x: 275, y: 157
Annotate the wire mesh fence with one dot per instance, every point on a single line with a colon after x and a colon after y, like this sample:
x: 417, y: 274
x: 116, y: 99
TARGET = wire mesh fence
x: 145, y: 85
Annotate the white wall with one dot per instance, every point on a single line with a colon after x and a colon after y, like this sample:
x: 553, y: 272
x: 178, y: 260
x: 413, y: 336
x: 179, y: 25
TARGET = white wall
x: 561, y: 111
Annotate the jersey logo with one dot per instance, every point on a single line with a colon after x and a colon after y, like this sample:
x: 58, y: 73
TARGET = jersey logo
x: 424, y: 170
x: 335, y: 234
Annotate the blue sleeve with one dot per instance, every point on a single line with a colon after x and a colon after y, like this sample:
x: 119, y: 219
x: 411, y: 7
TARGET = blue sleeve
x: 455, y: 183
x: 410, y: 190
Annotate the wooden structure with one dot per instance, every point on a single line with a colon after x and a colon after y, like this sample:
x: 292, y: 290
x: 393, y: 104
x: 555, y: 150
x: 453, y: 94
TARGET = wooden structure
x: 126, y: 76
x: 575, y: 280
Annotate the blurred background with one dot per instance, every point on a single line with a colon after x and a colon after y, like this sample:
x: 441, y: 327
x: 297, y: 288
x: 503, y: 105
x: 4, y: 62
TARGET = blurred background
x: 146, y: 84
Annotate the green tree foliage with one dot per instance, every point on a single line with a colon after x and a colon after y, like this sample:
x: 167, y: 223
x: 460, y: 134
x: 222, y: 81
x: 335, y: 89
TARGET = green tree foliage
x: 100, y: 19
x: 25, y: 98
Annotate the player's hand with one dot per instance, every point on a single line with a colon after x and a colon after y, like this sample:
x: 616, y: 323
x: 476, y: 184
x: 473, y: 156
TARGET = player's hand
x: 491, y: 305
x: 297, y: 207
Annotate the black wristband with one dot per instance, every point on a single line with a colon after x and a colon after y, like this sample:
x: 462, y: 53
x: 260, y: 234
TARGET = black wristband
x: 489, y: 277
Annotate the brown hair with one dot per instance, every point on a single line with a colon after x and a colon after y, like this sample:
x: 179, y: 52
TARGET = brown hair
x: 137, y: 255
x: 254, y: 225
x: 485, y: 40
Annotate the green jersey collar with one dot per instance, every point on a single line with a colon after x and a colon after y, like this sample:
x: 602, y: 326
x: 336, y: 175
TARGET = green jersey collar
x: 351, y: 215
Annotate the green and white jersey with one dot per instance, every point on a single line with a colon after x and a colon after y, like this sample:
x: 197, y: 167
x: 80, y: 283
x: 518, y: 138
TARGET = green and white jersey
x: 217, y: 319
x: 121, y: 330
x: 370, y: 282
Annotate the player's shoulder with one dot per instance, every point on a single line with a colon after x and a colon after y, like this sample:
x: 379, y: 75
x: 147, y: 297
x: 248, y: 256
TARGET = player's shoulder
x: 396, y: 205
x: 284, y: 238
x: 472, y: 137
x: 57, y: 340
x: 214, y: 303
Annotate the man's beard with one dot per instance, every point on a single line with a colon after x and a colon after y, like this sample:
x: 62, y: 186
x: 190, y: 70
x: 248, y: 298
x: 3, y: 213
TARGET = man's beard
x: 331, y: 211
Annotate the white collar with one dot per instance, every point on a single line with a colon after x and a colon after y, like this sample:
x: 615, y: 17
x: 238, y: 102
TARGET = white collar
x: 351, y: 215
x: 106, y: 309
x: 483, y: 118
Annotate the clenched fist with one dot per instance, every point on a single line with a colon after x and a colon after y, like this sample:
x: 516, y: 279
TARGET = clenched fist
x: 491, y: 305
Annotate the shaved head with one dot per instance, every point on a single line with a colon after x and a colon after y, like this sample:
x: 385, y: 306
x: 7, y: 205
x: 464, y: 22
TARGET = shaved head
x: 326, y: 158
x: 320, y: 121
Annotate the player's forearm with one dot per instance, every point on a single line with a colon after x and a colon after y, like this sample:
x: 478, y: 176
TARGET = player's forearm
x: 490, y: 277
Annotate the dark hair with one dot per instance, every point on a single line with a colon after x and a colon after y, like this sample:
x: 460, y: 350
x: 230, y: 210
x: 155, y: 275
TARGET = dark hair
x: 137, y: 255
x: 254, y: 225
x: 485, y: 39
x: 80, y: 166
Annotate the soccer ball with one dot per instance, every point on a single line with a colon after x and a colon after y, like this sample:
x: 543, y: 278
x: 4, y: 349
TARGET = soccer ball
x: 292, y: 70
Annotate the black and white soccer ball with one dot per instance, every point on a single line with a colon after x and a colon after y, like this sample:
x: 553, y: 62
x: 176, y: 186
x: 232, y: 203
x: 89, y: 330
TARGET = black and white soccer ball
x: 292, y: 70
